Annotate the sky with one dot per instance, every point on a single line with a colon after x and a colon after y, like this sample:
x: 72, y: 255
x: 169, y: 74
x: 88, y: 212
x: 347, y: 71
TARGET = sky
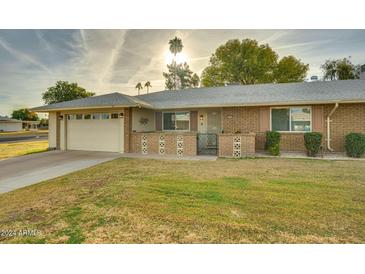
x: 104, y: 61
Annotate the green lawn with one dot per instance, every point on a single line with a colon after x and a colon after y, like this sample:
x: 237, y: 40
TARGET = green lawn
x: 8, y: 150
x: 227, y: 201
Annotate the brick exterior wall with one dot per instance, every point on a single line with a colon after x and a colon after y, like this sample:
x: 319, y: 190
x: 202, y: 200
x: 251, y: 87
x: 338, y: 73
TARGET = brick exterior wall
x: 347, y: 118
x: 189, y: 143
x: 127, y: 114
x: 226, y: 141
x: 242, y: 120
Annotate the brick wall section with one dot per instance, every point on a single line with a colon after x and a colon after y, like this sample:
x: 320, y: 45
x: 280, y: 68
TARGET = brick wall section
x: 243, y: 119
x: 347, y: 118
x: 225, y: 142
x: 127, y: 114
x: 190, y: 143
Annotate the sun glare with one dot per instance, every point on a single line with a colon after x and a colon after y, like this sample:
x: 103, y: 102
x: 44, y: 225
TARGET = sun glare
x: 180, y: 58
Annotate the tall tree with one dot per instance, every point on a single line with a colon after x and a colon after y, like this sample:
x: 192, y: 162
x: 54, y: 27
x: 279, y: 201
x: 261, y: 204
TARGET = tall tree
x: 346, y: 70
x: 340, y: 69
x: 148, y: 85
x: 24, y: 114
x: 330, y: 69
x: 139, y: 87
x: 290, y: 69
x: 175, y: 46
x: 64, y: 91
x: 246, y: 62
x: 180, y: 75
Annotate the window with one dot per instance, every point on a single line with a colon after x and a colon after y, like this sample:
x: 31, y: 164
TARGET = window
x: 71, y: 117
x: 96, y: 116
x: 114, y: 116
x: 78, y: 116
x: 105, y: 116
x: 87, y: 116
x: 176, y: 121
x: 293, y: 119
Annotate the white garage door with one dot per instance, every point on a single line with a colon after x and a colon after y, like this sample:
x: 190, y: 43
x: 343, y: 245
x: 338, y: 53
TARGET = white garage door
x: 95, y: 132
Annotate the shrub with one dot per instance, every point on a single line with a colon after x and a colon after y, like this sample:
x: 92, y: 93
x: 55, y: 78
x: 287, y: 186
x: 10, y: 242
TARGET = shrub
x: 273, y: 142
x: 312, y: 142
x: 355, y: 144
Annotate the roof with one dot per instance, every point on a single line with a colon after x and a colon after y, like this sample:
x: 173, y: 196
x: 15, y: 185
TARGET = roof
x: 107, y: 100
x: 319, y: 92
x: 9, y: 120
x: 262, y: 94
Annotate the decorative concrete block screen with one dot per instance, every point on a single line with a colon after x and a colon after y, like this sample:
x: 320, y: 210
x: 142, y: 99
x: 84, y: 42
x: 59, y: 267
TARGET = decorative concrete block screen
x: 144, y: 147
x: 166, y: 143
x: 179, y: 145
x: 236, y: 145
x: 161, y: 145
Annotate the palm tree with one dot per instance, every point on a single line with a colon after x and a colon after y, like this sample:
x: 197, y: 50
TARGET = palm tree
x: 139, y: 87
x: 176, y: 46
x: 148, y: 85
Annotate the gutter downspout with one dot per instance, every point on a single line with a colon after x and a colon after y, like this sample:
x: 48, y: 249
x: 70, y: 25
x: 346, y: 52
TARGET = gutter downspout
x: 328, y: 127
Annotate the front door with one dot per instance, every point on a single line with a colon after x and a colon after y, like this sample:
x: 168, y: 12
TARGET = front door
x: 208, y: 136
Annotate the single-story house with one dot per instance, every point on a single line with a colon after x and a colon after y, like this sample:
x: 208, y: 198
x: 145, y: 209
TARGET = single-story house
x: 8, y: 124
x: 228, y: 121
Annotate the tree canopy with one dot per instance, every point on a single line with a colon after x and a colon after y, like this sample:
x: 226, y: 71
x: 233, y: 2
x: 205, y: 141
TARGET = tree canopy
x: 340, y: 69
x: 176, y: 45
x: 64, y: 91
x: 24, y: 114
x: 246, y: 62
x: 179, y: 76
x: 290, y: 69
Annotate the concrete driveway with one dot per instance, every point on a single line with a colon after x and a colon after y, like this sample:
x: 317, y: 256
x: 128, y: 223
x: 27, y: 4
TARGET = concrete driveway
x: 30, y: 169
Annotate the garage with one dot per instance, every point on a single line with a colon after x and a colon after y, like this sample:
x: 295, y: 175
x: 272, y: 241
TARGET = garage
x: 94, y: 132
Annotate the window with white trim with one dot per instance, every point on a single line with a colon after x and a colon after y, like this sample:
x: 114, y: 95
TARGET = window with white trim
x: 291, y: 119
x: 176, y: 120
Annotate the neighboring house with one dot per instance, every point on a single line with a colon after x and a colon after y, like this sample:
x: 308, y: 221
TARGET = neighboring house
x: 8, y: 124
x: 31, y: 125
x: 227, y: 121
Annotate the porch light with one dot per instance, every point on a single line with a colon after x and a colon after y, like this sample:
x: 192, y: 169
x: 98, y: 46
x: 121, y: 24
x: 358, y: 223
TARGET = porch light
x: 121, y: 115
x: 201, y: 117
x: 61, y: 117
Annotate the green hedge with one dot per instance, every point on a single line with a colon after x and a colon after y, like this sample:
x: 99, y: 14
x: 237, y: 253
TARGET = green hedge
x: 273, y: 142
x: 355, y: 144
x: 312, y: 142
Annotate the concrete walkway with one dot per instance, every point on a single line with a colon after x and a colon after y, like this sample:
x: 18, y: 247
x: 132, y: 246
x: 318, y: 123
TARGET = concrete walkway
x: 30, y: 169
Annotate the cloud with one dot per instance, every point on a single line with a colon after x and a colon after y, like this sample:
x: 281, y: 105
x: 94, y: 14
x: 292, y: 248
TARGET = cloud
x: 23, y: 57
x: 115, y: 60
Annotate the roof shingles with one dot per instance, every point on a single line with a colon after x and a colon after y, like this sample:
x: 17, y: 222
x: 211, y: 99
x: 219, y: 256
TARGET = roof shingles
x: 239, y: 95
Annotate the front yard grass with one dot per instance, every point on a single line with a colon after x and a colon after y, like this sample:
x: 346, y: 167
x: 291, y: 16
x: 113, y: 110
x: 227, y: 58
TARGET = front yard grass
x: 23, y: 133
x: 226, y: 201
x: 8, y: 150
